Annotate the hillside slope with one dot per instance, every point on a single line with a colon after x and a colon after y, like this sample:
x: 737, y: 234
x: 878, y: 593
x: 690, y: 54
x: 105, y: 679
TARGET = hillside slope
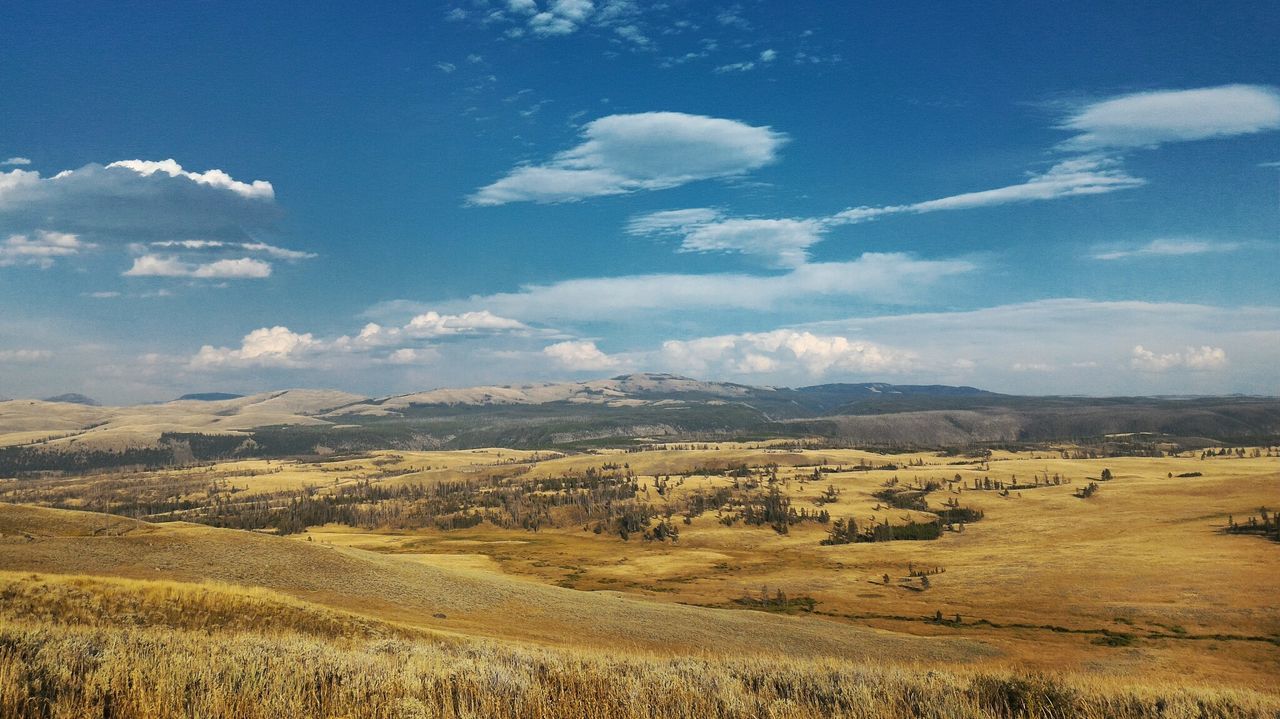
x: 396, y: 588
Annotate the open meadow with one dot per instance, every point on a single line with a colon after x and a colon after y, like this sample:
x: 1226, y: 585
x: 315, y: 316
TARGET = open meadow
x: 1103, y: 577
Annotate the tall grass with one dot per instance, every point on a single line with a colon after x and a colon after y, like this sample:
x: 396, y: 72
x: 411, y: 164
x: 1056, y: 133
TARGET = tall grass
x: 79, y: 646
x: 53, y: 671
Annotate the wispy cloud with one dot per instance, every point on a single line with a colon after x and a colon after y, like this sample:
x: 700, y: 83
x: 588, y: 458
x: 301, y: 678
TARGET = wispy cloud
x: 893, y: 278
x: 17, y: 161
x: 1089, y: 175
x: 779, y: 243
x: 646, y: 151
x: 786, y: 242
x: 1107, y: 127
x: 1173, y: 247
x: 280, y: 253
x: 24, y: 355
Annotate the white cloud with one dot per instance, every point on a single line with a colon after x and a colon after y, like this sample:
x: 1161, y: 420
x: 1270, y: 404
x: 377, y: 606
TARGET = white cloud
x: 434, y: 324
x: 1084, y: 345
x: 1175, y: 247
x: 410, y: 355
x: 580, y: 356
x: 1146, y: 119
x: 162, y: 266
x: 133, y: 202
x: 644, y: 151
x: 672, y: 220
x: 735, y: 67
x: 768, y: 55
x: 780, y: 243
x: 40, y: 249
x: 885, y: 277
x: 559, y: 18
x: 1142, y: 119
x: 265, y: 347
x: 280, y: 253
x: 783, y: 351
x: 214, y: 178
x: 24, y: 355
x: 1091, y: 175
x: 785, y: 242
x: 280, y: 346
x: 1194, y: 358
x: 446, y: 67
x: 17, y: 161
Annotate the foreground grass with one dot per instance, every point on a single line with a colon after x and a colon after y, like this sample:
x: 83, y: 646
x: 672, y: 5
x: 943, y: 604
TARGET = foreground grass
x: 49, y: 671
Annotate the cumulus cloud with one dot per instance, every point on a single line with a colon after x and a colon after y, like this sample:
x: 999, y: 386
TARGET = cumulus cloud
x: 214, y: 178
x: 162, y: 266
x: 434, y: 324
x: 40, y: 249
x: 779, y: 243
x: 265, y: 347
x: 132, y: 202
x: 1147, y: 119
x: 1175, y: 247
x: 1193, y: 358
x: 783, y: 351
x: 580, y: 356
x: 17, y: 161
x: 645, y: 151
x: 404, y: 344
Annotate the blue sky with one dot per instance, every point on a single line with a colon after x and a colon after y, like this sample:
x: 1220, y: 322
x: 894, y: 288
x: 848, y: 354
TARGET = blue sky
x: 1045, y: 199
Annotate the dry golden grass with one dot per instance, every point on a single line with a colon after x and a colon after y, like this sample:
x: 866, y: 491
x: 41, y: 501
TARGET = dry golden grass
x: 1143, y: 557
x: 101, y: 602
x: 1041, y: 583
x: 48, y: 671
x: 445, y: 599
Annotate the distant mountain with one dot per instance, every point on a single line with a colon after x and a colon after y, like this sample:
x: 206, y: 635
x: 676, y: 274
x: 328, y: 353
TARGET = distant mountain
x: 74, y: 398
x: 619, y: 411
x: 656, y: 389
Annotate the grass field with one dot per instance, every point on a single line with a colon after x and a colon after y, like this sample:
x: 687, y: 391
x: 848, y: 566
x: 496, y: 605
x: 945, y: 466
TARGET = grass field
x: 1048, y: 605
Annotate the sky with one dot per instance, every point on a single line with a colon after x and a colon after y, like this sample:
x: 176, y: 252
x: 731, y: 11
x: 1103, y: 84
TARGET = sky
x: 1049, y: 198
